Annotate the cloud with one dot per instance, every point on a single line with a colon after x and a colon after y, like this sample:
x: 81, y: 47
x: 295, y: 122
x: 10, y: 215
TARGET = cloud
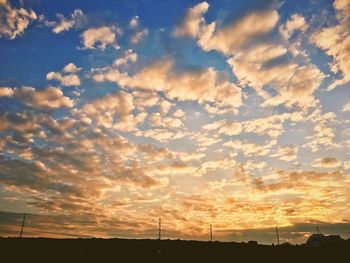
x: 223, y: 164
x: 327, y: 162
x: 296, y: 22
x: 192, y: 142
x: 271, y: 125
x: 231, y: 128
x: 77, y: 20
x: 193, y: 21
x: 49, y: 98
x: 179, y: 113
x: 129, y: 55
x: 286, y: 153
x: 214, y: 125
x: 231, y: 38
x: 297, y: 180
x: 67, y: 80
x: 346, y: 107
x: 163, y: 135
x: 134, y: 21
x: 145, y: 99
x: 294, y: 84
x: 255, y: 61
x: 134, y: 175
x: 14, y: 21
x: 71, y: 68
x: 6, y: 92
x: 204, y: 85
x: 335, y: 41
x: 70, y: 79
x: 138, y: 36
x: 168, y: 122
x: 103, y: 111
x: 250, y: 149
x: 152, y: 152
x: 299, y: 89
x: 165, y: 106
x: 100, y: 37
x: 324, y: 132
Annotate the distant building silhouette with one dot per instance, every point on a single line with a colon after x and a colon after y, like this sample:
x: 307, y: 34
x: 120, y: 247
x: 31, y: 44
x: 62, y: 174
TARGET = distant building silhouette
x: 319, y: 240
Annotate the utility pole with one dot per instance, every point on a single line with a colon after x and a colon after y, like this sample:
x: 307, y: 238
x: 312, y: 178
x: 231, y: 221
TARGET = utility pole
x: 211, y: 233
x: 318, y: 232
x: 160, y: 229
x: 278, y: 237
x: 24, y: 219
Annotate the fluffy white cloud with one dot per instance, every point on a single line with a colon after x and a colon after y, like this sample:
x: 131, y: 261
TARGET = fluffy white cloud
x: 294, y: 84
x: 327, y: 162
x: 71, y: 68
x: 134, y: 22
x: 250, y: 149
x: 70, y: 79
x: 258, y: 63
x: 103, y: 111
x: 100, y: 37
x: 3, y: 2
x: 158, y: 121
x: 138, y: 36
x: 6, y: 92
x: 231, y: 38
x: 14, y: 21
x: 205, y: 85
x: 299, y: 89
x: 165, y: 106
x: 49, y: 98
x: 346, y: 107
x: 296, y: 22
x: 231, y: 128
x: 335, y: 41
x: 129, y: 55
x: 78, y: 19
x: 193, y: 22
x: 286, y: 153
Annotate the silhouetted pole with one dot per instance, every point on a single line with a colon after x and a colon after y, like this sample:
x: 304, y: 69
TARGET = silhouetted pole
x: 160, y: 229
x: 24, y: 219
x: 318, y: 232
x: 278, y: 237
x: 211, y: 233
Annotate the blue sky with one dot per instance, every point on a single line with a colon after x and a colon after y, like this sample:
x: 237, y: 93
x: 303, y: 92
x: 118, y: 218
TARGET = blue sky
x: 234, y: 113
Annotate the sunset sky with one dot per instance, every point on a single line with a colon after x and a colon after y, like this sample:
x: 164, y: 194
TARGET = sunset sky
x: 234, y: 113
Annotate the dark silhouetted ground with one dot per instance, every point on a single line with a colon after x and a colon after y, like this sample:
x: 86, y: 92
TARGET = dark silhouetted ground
x: 129, y: 250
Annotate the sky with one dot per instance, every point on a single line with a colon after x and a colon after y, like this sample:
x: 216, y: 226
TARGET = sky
x: 230, y: 113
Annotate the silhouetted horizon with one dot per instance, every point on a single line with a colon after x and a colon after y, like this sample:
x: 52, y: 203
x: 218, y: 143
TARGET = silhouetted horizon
x: 154, y: 249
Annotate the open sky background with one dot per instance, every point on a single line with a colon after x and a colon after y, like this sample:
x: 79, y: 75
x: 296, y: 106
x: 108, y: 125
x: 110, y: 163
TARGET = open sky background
x: 230, y: 113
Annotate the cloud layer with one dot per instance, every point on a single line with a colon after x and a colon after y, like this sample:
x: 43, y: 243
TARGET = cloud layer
x: 222, y: 115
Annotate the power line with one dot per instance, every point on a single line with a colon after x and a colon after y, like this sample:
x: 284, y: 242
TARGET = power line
x: 211, y: 233
x: 278, y: 237
x: 24, y: 219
